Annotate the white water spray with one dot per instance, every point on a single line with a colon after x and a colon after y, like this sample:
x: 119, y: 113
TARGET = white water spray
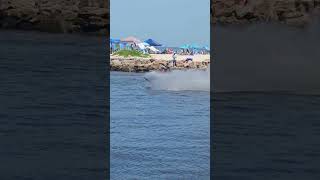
x: 189, y: 80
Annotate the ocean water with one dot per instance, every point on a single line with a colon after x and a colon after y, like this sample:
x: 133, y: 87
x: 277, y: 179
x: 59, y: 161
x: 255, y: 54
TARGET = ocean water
x: 266, y: 135
x: 266, y: 104
x: 157, y: 134
x: 53, y: 111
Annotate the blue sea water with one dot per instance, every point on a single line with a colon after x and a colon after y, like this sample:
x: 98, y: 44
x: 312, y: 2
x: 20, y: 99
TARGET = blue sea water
x: 157, y: 134
x: 266, y: 135
x: 53, y: 111
x: 267, y: 110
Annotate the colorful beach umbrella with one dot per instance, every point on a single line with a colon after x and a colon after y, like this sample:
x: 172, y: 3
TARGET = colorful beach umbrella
x: 131, y: 39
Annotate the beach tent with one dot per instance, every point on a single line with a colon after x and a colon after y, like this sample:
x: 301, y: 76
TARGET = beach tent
x: 114, y: 41
x: 131, y: 39
x: 141, y: 46
x: 115, y: 44
x: 122, y: 45
x: 152, y: 42
x: 145, y: 44
x: 153, y: 49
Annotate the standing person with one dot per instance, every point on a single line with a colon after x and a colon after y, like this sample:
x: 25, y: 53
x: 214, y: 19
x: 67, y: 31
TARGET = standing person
x: 174, y: 62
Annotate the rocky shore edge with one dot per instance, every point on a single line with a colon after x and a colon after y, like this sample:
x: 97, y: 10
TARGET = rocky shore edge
x: 56, y: 16
x: 296, y: 13
x: 93, y: 16
x: 133, y: 64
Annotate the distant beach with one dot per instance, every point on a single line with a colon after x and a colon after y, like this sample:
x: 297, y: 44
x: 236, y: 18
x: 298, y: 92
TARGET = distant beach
x: 133, y: 55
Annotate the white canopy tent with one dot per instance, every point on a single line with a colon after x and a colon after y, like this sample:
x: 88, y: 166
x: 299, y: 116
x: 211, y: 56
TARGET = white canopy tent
x: 153, y: 49
x: 141, y: 46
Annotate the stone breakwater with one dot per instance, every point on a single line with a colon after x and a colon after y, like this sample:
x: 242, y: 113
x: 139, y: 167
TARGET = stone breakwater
x: 93, y: 16
x: 290, y: 12
x: 84, y: 16
x: 150, y: 64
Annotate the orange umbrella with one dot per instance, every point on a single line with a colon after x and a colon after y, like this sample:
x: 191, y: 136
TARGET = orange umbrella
x: 131, y: 39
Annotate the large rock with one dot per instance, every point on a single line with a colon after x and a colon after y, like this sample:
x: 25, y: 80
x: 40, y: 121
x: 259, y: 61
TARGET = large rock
x: 55, y: 15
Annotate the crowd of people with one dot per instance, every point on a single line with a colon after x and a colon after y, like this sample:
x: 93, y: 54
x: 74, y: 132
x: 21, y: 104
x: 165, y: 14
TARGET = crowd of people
x: 164, y: 51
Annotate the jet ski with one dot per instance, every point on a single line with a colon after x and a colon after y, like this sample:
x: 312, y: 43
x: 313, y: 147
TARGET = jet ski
x: 147, y: 79
x: 153, y: 74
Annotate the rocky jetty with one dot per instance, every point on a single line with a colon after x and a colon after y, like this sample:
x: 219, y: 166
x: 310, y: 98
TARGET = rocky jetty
x: 88, y: 16
x: 92, y: 16
x: 290, y: 12
x: 132, y: 64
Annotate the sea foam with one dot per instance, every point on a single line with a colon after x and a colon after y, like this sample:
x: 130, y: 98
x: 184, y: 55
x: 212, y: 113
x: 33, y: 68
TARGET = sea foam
x: 177, y: 80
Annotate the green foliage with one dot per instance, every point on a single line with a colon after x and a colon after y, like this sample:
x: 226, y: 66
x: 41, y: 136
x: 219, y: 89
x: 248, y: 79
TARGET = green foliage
x: 132, y: 53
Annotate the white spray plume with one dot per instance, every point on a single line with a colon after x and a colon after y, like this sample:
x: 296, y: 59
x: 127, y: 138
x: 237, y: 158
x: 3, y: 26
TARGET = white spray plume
x: 177, y: 80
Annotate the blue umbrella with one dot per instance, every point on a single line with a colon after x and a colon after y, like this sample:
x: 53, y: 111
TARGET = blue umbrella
x: 186, y: 46
x: 112, y: 40
x: 206, y: 48
x: 152, y: 42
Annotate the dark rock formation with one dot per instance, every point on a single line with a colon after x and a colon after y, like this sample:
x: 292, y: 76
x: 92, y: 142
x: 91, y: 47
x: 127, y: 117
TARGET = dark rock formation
x: 290, y: 12
x: 92, y: 16
x: 89, y: 16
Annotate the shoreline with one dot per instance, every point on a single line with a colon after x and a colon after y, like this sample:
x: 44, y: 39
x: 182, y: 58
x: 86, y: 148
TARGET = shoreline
x: 157, y: 62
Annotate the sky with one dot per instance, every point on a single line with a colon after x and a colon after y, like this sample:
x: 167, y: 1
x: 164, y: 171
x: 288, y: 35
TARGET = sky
x: 169, y: 22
